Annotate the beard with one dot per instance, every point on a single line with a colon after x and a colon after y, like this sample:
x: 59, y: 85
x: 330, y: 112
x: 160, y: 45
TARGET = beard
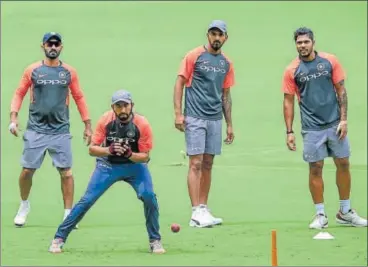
x: 52, y: 54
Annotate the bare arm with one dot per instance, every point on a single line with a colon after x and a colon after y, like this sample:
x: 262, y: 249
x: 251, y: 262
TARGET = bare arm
x: 342, y: 98
x: 140, y: 157
x: 178, y: 95
x: 227, y: 106
x: 98, y: 151
x: 289, y: 111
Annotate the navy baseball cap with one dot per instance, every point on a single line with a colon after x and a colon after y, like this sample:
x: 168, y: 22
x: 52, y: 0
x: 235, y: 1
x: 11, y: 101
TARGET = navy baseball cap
x: 218, y: 24
x: 50, y: 35
x: 121, y: 95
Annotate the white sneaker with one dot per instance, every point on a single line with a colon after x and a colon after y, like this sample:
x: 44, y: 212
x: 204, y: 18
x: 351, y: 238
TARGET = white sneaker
x: 66, y: 215
x: 200, y: 218
x: 351, y: 218
x: 56, y: 246
x: 216, y: 221
x: 320, y: 221
x: 21, y: 217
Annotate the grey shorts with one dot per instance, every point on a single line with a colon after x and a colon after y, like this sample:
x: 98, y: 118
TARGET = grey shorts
x: 203, y: 136
x: 36, y: 145
x: 319, y: 145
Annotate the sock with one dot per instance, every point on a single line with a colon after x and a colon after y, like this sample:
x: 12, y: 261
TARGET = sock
x: 345, y: 206
x: 25, y: 202
x: 203, y: 206
x: 320, y: 208
x: 66, y: 212
x: 194, y: 208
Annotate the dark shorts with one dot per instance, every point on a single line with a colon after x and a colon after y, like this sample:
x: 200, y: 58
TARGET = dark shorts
x: 203, y: 136
x: 36, y: 145
x: 319, y: 145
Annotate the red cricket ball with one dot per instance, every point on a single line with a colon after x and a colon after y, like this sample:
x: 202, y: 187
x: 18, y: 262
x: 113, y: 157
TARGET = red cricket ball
x: 175, y: 228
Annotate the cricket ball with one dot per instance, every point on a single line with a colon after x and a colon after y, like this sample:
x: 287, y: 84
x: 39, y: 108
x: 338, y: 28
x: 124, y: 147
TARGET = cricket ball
x: 175, y: 228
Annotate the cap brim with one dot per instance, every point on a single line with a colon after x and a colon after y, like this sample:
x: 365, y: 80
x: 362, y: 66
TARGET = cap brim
x: 122, y: 100
x: 53, y: 37
x: 217, y: 28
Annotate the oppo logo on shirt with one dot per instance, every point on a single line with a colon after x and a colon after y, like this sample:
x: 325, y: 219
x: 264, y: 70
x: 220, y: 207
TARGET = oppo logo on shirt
x: 52, y: 82
x: 313, y: 76
x: 207, y: 68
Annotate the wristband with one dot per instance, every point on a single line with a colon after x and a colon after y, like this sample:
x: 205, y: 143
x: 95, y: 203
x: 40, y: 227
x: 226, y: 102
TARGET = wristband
x: 290, y: 132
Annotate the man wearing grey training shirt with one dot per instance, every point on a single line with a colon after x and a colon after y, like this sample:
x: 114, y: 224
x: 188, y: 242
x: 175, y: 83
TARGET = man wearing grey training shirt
x: 207, y: 75
x: 317, y: 79
x: 50, y: 82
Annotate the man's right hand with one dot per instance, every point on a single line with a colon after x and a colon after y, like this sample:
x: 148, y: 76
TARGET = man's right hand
x: 290, y: 141
x: 13, y: 128
x: 179, y: 123
x: 116, y: 149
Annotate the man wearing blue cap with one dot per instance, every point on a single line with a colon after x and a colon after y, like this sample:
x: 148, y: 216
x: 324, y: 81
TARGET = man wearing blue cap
x: 49, y: 82
x: 122, y: 143
x: 207, y: 75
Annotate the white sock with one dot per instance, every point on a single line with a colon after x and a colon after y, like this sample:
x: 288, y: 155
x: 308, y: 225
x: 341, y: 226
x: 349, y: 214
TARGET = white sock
x: 66, y: 212
x: 194, y: 208
x: 345, y: 206
x: 25, y: 202
x: 203, y: 206
x: 320, y: 208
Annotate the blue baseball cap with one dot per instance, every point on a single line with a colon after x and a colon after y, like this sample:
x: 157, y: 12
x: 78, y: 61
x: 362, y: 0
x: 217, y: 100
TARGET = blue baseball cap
x: 218, y: 24
x: 121, y: 95
x: 50, y: 35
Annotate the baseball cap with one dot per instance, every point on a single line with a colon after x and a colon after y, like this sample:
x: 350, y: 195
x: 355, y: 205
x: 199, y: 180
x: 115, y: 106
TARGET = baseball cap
x: 219, y: 24
x: 121, y: 95
x: 50, y: 35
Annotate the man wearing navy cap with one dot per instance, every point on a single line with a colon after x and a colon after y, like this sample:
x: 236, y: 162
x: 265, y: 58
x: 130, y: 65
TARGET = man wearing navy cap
x: 121, y: 144
x: 48, y: 129
x: 207, y: 75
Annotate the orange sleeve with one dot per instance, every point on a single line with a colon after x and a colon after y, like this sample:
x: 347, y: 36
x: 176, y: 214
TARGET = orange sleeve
x: 288, y: 83
x: 78, y: 95
x: 22, y: 90
x: 230, y: 77
x: 145, y: 142
x: 338, y: 73
x: 99, y: 134
x: 187, y: 66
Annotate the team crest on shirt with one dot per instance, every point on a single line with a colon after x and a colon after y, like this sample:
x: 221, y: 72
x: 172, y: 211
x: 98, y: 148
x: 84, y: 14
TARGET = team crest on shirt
x: 222, y: 63
x: 130, y: 134
x: 320, y: 66
x: 62, y: 75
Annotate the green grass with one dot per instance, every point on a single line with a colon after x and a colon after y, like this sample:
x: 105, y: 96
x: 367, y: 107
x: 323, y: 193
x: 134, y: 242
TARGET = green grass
x: 258, y: 185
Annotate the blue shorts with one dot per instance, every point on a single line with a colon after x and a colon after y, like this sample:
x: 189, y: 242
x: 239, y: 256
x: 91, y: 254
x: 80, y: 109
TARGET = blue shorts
x: 203, y: 136
x: 35, y: 147
x: 319, y: 145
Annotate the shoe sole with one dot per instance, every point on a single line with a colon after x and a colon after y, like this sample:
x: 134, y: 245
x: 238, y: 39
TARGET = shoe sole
x: 194, y: 223
x: 319, y: 228
x: 349, y: 223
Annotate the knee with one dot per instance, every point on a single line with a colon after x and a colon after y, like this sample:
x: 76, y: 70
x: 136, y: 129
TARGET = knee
x: 66, y: 173
x: 148, y: 197
x: 196, y: 165
x: 28, y: 173
x: 342, y: 164
x: 316, y: 168
x: 207, y: 164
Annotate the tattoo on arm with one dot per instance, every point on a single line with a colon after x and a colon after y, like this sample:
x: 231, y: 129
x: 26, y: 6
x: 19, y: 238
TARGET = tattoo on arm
x: 226, y: 106
x: 342, y: 98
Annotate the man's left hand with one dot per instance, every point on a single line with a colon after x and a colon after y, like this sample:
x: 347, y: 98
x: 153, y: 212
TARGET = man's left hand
x: 127, y: 150
x: 229, y: 135
x: 342, y: 129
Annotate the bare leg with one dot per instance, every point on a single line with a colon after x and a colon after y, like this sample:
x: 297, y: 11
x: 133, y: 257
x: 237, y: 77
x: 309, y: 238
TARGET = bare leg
x: 194, y: 178
x: 25, y: 183
x: 205, y: 183
x: 67, y: 187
